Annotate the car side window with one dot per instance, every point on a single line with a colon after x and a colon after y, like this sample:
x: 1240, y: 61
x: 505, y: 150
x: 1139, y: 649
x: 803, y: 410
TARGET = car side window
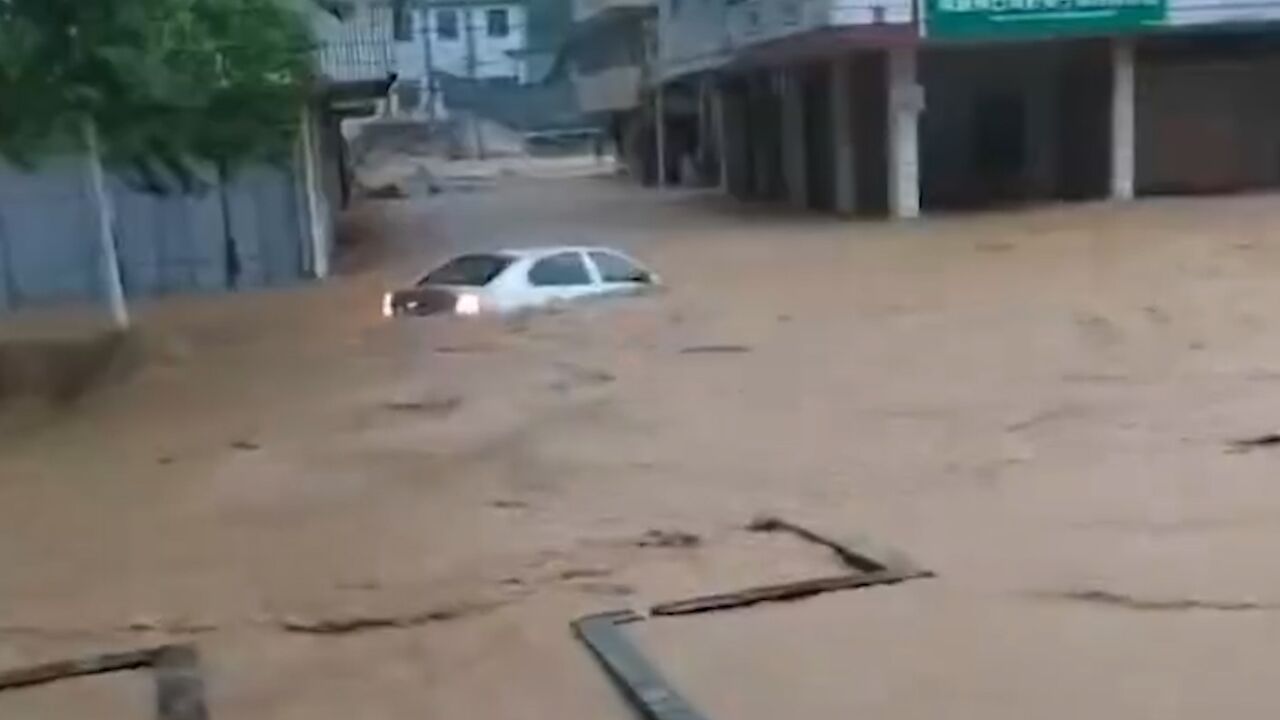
x: 617, y: 269
x: 565, y: 268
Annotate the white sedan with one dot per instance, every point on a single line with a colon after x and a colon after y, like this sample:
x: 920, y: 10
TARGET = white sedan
x: 513, y: 280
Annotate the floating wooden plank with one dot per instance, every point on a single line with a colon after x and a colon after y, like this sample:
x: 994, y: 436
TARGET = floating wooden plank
x: 847, y: 555
x: 176, y: 669
x: 79, y: 667
x: 784, y: 591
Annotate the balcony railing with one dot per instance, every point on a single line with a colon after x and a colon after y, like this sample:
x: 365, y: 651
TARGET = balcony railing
x: 356, y: 60
x: 755, y: 21
x: 358, y: 47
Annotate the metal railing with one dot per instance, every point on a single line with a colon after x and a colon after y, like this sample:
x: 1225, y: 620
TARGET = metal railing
x: 356, y: 59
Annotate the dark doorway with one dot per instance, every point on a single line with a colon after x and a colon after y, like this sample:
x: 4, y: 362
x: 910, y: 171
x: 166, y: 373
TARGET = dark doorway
x: 1013, y: 124
x: 1000, y: 143
x: 817, y: 133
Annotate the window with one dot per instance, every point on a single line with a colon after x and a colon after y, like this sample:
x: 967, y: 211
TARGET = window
x: 447, y: 24
x: 469, y: 270
x: 497, y: 23
x: 617, y: 269
x: 401, y: 23
x: 563, y: 269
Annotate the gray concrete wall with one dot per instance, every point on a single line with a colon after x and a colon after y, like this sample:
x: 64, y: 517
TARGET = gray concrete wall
x: 167, y: 243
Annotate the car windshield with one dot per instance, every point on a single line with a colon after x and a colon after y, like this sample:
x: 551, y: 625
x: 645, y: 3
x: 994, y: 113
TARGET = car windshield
x: 472, y: 270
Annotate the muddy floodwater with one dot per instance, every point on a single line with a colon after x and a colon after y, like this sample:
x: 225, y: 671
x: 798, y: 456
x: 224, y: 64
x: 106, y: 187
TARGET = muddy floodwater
x: 352, y: 517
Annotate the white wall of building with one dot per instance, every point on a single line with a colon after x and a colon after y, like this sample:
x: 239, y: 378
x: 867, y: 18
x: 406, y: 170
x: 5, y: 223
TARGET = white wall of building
x: 410, y: 50
x: 609, y: 90
x: 697, y: 34
x: 471, y: 44
x: 1200, y: 12
x: 692, y: 35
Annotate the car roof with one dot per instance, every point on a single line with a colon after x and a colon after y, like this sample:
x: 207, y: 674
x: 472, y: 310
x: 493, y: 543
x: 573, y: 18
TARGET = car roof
x: 539, y: 252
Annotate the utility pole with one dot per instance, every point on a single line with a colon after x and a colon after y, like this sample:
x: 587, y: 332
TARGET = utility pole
x: 470, y: 39
x: 472, y: 73
x: 659, y: 111
x: 428, y: 61
x: 660, y: 134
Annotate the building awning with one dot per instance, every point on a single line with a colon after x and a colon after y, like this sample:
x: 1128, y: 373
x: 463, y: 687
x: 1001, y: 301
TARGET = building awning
x: 342, y: 92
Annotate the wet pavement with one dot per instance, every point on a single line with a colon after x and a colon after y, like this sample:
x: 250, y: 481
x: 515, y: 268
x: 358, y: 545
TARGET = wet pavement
x: 1033, y: 404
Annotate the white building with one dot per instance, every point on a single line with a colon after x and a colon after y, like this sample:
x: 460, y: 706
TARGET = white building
x: 475, y: 40
x: 416, y: 40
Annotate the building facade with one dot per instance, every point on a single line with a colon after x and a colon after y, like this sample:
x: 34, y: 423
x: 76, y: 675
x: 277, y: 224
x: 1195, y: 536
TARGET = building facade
x: 891, y: 106
x: 609, y: 53
x: 608, y: 58
x: 475, y: 40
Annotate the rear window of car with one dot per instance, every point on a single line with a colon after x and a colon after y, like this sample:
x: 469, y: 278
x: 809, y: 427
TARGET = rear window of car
x: 616, y: 269
x: 470, y: 270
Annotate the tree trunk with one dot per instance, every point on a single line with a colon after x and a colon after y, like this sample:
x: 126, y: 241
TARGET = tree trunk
x: 110, y: 261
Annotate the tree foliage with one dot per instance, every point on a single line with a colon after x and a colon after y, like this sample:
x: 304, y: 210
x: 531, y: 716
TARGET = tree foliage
x: 167, y: 83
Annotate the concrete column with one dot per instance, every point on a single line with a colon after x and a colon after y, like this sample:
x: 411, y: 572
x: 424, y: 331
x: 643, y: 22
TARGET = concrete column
x: 841, y: 93
x: 1122, y: 119
x: 722, y: 135
x: 906, y: 101
x: 794, y: 167
x: 660, y: 135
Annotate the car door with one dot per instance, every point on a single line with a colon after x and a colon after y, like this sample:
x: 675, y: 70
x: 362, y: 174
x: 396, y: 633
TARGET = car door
x: 560, y: 277
x: 620, y: 274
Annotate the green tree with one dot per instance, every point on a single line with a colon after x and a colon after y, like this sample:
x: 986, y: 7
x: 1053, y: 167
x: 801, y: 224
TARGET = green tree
x: 155, y: 89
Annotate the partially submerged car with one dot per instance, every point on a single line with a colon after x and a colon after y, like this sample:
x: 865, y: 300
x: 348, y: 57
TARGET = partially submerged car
x: 512, y: 280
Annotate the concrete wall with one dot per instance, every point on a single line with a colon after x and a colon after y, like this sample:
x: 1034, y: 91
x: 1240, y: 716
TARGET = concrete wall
x: 167, y: 243
x: 608, y: 62
x: 546, y: 105
x: 608, y: 90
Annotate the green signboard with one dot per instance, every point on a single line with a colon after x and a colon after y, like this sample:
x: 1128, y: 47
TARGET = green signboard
x: 976, y: 19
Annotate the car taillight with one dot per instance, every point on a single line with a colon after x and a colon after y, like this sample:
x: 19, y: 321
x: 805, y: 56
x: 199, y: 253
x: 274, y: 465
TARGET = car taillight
x: 467, y: 304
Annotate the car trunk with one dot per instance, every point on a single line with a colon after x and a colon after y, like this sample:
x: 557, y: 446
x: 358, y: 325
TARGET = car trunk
x: 423, y: 301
